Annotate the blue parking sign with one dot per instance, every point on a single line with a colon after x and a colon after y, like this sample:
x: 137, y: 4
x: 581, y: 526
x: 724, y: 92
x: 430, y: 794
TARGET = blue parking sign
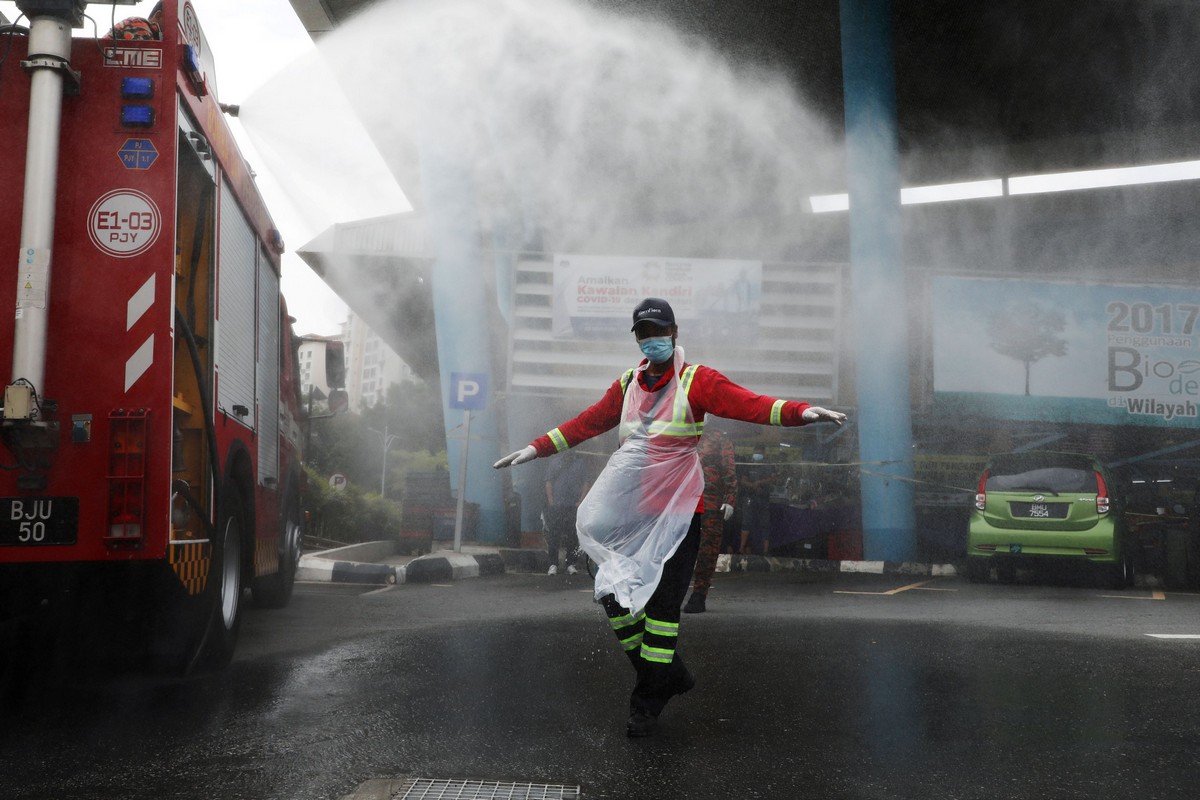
x: 468, y: 390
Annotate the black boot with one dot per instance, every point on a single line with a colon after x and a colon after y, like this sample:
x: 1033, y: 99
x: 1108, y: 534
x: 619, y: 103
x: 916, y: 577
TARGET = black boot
x: 644, y: 706
x: 680, y: 679
x: 695, y: 604
x: 641, y: 723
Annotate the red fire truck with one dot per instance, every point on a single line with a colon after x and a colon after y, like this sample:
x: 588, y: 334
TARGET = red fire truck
x: 150, y: 434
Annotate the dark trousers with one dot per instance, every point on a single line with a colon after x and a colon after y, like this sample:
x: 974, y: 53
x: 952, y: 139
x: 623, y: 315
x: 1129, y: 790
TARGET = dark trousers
x: 560, y: 531
x: 651, y: 638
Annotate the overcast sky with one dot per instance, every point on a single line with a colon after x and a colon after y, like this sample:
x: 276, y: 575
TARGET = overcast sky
x: 252, y: 41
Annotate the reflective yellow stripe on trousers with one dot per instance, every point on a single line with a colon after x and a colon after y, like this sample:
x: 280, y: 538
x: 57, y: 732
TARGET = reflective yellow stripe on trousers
x: 658, y: 644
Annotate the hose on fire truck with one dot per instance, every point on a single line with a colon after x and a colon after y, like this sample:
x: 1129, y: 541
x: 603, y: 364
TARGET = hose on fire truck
x: 211, y: 435
x: 206, y: 410
x: 197, y: 252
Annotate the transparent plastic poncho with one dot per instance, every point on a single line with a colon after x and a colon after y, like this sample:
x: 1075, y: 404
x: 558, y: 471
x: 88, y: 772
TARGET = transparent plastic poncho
x: 640, y: 507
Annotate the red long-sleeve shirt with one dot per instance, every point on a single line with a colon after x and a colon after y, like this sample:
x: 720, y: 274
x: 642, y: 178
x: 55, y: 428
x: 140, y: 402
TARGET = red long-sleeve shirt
x: 710, y: 393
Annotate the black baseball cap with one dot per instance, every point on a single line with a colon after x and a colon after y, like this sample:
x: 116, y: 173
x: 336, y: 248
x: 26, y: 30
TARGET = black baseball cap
x: 654, y: 309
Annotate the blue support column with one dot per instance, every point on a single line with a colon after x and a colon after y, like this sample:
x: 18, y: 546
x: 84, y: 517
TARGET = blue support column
x: 884, y: 417
x: 463, y: 288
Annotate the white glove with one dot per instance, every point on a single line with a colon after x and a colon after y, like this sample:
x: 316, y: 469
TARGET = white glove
x: 818, y: 414
x: 528, y: 453
x: 727, y: 510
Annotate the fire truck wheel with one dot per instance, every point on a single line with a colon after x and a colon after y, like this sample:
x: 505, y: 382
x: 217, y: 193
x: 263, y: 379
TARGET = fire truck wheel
x: 225, y: 586
x: 275, y: 590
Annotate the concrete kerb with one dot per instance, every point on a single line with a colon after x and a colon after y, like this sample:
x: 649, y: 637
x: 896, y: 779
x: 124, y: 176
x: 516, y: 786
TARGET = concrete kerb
x: 472, y: 562
x: 356, y: 563
x: 740, y: 563
x: 377, y: 563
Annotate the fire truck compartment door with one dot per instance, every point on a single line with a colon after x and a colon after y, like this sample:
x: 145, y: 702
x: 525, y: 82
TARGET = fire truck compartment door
x: 236, y: 299
x: 269, y: 408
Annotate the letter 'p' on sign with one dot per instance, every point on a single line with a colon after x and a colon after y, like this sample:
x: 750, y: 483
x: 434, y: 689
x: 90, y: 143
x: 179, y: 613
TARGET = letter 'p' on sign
x: 468, y: 390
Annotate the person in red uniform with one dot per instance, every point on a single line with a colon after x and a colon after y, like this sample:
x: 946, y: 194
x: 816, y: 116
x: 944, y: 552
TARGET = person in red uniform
x: 641, y: 520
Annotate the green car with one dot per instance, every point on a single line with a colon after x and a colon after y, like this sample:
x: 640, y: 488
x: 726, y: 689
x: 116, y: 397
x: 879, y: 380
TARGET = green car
x: 1041, y: 506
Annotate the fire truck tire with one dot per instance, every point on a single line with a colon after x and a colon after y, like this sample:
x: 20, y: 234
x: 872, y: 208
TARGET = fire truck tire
x: 275, y: 590
x: 223, y: 619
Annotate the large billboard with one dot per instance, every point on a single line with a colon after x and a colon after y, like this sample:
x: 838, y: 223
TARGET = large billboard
x: 597, y: 294
x: 1066, y: 352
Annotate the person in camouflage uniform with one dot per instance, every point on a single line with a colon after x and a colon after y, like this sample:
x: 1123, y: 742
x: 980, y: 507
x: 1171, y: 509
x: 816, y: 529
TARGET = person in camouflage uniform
x: 720, y: 491
x: 144, y: 28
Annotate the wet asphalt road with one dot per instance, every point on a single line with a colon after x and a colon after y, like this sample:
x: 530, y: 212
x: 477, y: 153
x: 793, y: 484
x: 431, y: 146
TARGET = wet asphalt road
x: 939, y: 690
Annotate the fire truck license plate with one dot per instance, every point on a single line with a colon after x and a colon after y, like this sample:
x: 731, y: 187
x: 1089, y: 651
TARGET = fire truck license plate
x: 38, y: 520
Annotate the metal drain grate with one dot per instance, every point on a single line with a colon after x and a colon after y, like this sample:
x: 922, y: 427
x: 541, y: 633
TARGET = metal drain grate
x: 441, y: 789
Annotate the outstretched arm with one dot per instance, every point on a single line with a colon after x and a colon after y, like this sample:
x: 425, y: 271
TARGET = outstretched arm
x: 713, y: 393
x: 600, y: 417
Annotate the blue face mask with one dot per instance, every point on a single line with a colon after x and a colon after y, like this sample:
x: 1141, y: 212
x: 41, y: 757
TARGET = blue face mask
x: 657, y: 348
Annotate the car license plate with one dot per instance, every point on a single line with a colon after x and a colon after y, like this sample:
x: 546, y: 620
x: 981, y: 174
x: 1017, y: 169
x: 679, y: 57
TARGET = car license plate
x: 38, y: 520
x: 1036, y: 510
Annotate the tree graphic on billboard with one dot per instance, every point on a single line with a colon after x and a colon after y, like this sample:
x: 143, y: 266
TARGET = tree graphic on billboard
x: 1027, y: 334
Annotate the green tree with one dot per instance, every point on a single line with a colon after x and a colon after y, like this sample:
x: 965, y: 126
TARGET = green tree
x: 349, y: 444
x: 411, y: 418
x: 351, y: 514
x: 413, y: 412
x: 337, y: 444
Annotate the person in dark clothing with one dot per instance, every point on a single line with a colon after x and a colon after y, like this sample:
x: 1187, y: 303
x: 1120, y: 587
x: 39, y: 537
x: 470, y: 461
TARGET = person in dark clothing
x: 756, y: 483
x: 640, y: 522
x: 566, y: 484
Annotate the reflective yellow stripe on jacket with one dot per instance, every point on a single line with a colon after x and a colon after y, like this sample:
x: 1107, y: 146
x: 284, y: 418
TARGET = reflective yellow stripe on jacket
x: 679, y: 424
x: 559, y: 441
x: 777, y: 413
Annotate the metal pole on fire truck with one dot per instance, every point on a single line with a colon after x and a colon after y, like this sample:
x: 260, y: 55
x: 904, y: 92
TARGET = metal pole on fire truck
x: 49, y: 65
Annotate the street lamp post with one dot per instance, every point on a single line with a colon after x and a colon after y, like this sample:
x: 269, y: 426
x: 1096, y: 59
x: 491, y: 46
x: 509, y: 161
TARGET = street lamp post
x: 386, y: 440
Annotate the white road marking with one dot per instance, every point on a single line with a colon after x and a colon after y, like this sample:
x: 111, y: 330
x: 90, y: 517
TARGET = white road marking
x: 893, y: 591
x: 1174, y: 635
